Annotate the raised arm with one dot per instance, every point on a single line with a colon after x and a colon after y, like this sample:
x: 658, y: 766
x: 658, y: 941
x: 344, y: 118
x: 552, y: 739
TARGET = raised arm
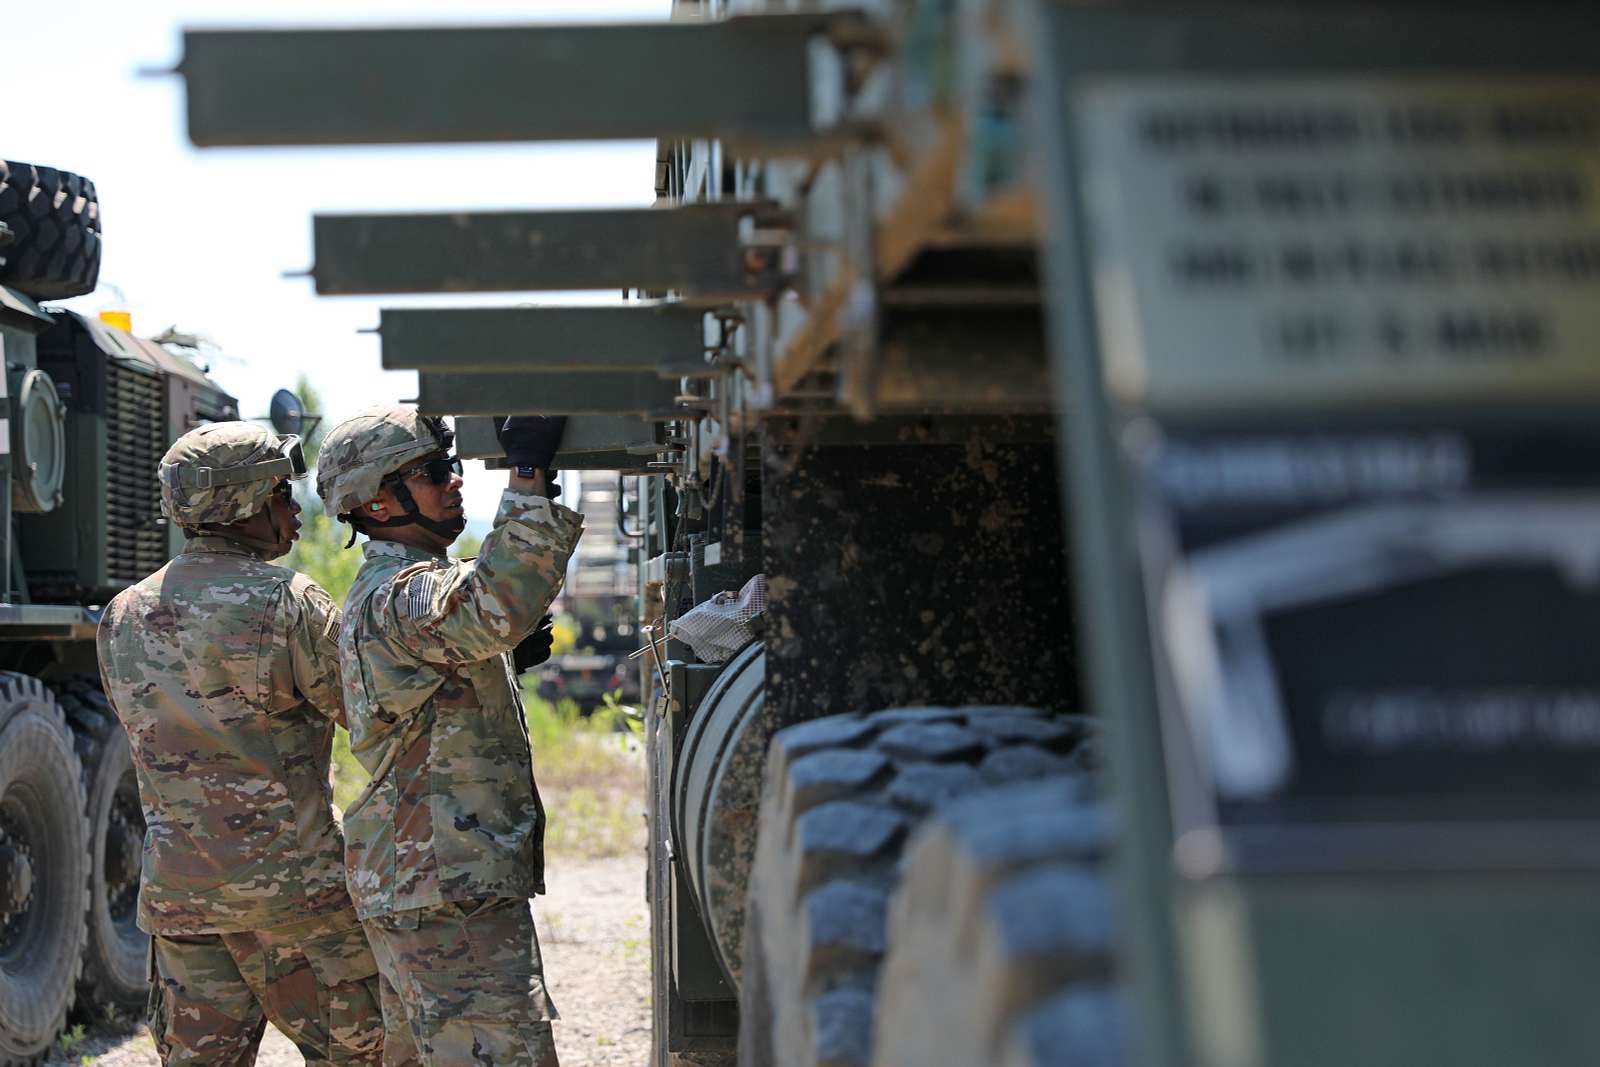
x: 470, y: 611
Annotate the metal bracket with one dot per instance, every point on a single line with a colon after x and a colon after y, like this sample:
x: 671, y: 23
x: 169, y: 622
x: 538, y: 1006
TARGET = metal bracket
x: 628, y: 337
x: 20, y: 313
x: 615, y: 81
x: 695, y: 249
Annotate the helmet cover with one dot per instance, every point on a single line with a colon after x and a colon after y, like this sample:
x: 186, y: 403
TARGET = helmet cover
x: 359, y: 452
x: 224, y: 472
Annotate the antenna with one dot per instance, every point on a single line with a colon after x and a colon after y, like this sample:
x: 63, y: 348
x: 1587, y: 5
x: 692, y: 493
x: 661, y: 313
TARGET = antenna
x: 287, y: 414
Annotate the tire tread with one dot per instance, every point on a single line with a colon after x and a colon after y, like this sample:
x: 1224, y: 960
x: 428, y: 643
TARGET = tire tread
x: 54, y: 217
x: 100, y: 995
x: 1000, y: 935
x: 842, y: 796
x: 17, y: 693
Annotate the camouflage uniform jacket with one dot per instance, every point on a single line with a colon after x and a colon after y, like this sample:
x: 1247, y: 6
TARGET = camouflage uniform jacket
x: 223, y: 668
x: 452, y: 811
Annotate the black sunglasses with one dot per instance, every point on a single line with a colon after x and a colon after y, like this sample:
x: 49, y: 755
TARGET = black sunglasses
x: 438, y: 469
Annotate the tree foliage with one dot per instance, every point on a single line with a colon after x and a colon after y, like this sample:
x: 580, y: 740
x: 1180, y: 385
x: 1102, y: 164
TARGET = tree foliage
x: 321, y: 555
x: 311, y: 399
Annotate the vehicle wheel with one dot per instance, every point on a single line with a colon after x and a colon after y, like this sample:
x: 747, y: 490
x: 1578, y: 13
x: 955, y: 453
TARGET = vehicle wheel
x: 54, y: 221
x: 115, y: 980
x: 43, y: 869
x: 841, y: 796
x: 1000, y: 936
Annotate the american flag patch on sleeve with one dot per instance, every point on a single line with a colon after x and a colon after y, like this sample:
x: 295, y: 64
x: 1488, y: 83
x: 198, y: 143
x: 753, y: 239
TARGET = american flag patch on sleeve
x: 417, y: 602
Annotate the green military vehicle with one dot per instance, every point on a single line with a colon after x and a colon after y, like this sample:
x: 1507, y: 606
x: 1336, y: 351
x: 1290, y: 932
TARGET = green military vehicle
x: 1224, y: 371
x: 91, y: 410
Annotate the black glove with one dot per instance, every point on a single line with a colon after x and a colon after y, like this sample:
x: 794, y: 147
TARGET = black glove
x: 531, y: 440
x: 535, y: 648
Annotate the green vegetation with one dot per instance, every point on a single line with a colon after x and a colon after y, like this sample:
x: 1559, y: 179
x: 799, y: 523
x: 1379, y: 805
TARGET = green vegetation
x: 71, y: 1038
x: 591, y: 776
x: 349, y: 777
x: 320, y: 552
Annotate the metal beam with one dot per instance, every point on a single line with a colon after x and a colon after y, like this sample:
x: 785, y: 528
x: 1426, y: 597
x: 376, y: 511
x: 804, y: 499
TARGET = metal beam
x: 695, y: 249
x: 585, y: 435
x: 622, y: 462
x: 475, y: 437
x: 544, y: 394
x: 643, y: 336
x: 515, y: 83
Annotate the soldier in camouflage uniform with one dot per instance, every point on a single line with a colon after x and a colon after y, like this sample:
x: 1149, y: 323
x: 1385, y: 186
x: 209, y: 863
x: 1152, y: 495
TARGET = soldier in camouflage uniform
x: 446, y: 845
x: 223, y: 667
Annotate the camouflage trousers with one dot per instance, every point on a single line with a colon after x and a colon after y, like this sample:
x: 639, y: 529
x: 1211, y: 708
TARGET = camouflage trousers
x: 212, y: 994
x: 467, y: 980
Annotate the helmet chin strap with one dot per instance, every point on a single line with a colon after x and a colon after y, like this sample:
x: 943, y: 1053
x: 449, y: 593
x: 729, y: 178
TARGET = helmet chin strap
x: 449, y: 528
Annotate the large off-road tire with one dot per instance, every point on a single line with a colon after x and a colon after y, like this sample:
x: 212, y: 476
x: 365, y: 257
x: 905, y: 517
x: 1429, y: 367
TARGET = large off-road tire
x: 115, y: 980
x: 1000, y: 936
x: 54, y: 221
x: 841, y: 796
x: 43, y: 869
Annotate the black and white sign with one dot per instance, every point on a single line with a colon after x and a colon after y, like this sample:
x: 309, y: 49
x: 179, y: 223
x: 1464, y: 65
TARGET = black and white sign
x: 1323, y: 241
x: 1398, y: 624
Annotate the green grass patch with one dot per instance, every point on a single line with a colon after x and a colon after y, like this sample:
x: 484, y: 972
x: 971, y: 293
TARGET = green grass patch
x: 349, y: 777
x: 590, y: 770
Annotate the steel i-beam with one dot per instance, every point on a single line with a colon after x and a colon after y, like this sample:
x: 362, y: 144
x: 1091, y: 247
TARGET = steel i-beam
x: 545, y: 394
x: 694, y: 249
x: 523, y: 83
x: 643, y: 336
x: 585, y: 435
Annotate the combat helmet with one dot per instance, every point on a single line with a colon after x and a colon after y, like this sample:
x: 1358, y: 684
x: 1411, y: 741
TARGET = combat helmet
x: 360, y: 455
x: 224, y: 472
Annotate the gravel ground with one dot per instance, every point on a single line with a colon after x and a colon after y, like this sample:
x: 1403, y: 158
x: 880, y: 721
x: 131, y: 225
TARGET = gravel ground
x: 594, y: 929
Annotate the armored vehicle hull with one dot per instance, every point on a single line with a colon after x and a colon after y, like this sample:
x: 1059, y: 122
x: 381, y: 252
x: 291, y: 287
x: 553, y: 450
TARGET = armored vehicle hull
x: 90, y: 411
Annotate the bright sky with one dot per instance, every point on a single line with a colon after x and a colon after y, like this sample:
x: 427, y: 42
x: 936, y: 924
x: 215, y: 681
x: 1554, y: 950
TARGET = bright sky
x: 200, y: 239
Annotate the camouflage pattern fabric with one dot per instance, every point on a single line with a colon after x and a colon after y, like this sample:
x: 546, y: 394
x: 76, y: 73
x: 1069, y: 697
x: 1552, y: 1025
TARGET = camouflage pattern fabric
x: 223, y: 667
x: 212, y: 994
x: 357, y: 453
x: 220, y: 446
x: 452, y: 811
x: 466, y: 981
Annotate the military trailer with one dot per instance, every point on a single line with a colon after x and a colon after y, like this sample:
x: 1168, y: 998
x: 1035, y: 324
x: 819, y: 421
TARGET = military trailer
x: 1207, y: 389
x: 91, y: 410
x: 600, y: 599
